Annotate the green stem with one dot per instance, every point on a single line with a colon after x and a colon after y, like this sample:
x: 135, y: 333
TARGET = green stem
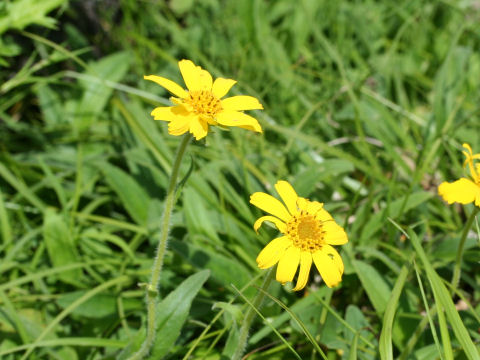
x: 152, y: 286
x: 458, y: 260
x: 250, y: 315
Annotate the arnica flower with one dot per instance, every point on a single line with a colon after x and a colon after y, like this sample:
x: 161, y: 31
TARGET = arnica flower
x: 202, y: 105
x: 464, y: 190
x: 308, y: 233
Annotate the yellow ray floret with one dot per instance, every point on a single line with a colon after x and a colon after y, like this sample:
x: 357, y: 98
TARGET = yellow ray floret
x: 308, y: 232
x: 201, y: 105
x: 464, y: 190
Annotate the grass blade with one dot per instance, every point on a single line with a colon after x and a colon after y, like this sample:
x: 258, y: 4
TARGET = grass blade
x: 385, y: 343
x: 443, y: 297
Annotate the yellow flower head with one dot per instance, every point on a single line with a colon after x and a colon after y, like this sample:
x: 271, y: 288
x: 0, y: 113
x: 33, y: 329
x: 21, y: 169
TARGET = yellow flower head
x: 202, y: 105
x: 464, y: 190
x: 308, y: 233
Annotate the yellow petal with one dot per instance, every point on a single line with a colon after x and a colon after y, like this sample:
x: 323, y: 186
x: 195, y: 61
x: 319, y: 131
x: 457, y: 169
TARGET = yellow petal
x: 269, y: 204
x: 198, y: 127
x: 463, y: 191
x: 190, y: 74
x: 222, y: 86
x: 271, y: 253
x: 468, y: 147
x: 241, y: 102
x: 278, y: 223
x: 323, y: 215
x: 305, y: 265
x: 315, y: 207
x: 205, y: 80
x: 179, y: 126
x: 235, y: 118
x: 303, y: 203
x: 164, y: 113
x: 329, y: 265
x: 288, y: 195
x: 170, y: 85
x: 288, y: 264
x: 337, y: 259
x: 334, y: 233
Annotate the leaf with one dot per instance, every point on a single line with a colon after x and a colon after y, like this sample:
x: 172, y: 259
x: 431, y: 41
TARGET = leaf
x: 353, y: 348
x: 134, y: 198
x: 98, y: 306
x: 21, y: 13
x: 60, y: 247
x: 385, y: 344
x: 376, y: 221
x: 171, y: 314
x: 173, y: 311
x: 50, y: 105
x: 224, y: 270
x: 443, y: 297
x: 112, y: 68
x: 197, y: 215
x: 377, y: 289
x: 6, y: 229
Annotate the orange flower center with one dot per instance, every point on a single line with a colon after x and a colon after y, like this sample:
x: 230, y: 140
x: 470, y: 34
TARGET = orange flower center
x: 305, y: 231
x: 203, y: 102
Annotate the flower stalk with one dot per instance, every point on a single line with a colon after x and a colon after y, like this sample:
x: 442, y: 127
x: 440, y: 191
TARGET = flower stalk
x: 151, y: 288
x: 250, y: 315
x: 461, y: 245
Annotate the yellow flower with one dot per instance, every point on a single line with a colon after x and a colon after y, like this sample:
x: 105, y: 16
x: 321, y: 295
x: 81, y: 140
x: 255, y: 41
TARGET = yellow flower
x: 464, y: 190
x: 308, y: 233
x: 202, y: 105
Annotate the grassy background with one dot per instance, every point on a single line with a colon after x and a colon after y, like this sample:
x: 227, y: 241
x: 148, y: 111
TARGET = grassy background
x: 367, y: 104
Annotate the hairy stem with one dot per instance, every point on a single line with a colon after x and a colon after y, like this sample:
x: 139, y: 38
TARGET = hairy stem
x: 152, y: 286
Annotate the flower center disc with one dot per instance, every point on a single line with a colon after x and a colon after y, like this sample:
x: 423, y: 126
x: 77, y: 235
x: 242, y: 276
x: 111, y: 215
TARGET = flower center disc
x: 306, y: 232
x: 203, y: 102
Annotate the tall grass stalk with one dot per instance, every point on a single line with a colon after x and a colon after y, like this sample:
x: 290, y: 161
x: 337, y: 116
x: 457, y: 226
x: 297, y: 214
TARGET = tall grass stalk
x: 250, y: 315
x: 461, y: 245
x: 152, y: 287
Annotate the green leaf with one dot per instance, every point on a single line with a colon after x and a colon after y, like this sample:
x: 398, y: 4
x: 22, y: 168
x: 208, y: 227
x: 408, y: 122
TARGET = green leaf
x: 112, y: 68
x: 353, y: 348
x: 225, y: 270
x: 445, y: 300
x: 385, y: 345
x: 198, y: 218
x: 98, y: 306
x: 171, y: 315
x: 377, y: 221
x: 60, y: 246
x: 134, y: 198
x: 21, y: 13
x: 377, y: 289
x: 5, y: 228
x: 50, y: 105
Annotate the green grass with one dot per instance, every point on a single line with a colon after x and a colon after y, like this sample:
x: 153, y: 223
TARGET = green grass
x: 366, y: 107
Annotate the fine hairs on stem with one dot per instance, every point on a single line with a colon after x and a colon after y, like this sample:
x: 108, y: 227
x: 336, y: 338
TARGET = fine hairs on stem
x: 151, y: 288
x: 250, y: 315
